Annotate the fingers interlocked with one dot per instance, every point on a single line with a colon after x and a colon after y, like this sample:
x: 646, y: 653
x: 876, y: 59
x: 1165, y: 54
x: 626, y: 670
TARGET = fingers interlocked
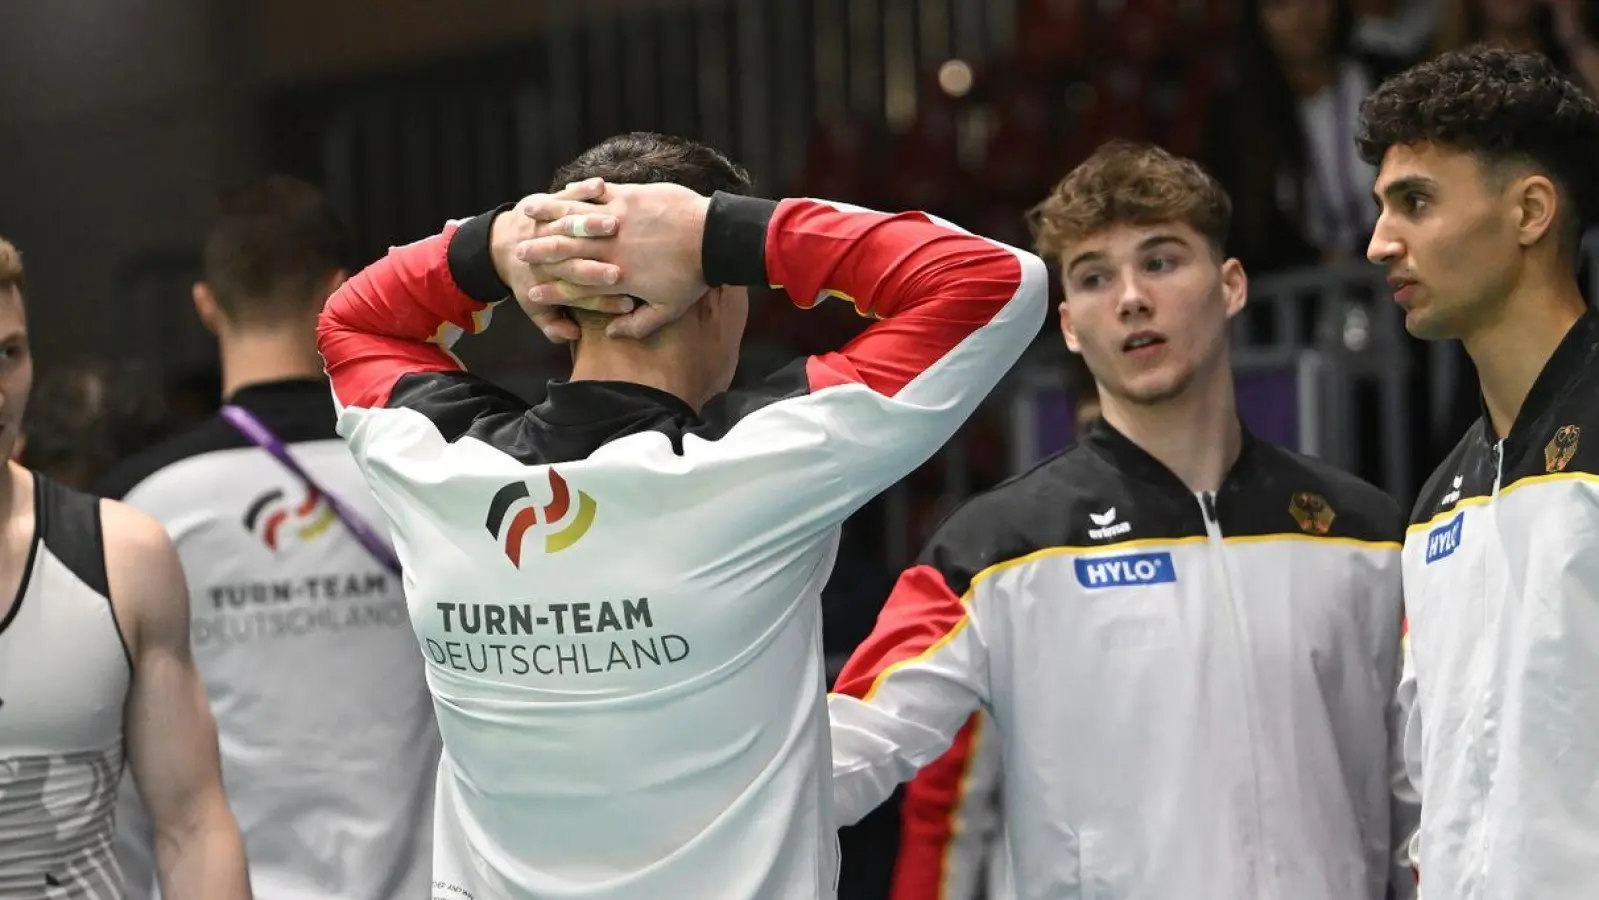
x: 567, y: 254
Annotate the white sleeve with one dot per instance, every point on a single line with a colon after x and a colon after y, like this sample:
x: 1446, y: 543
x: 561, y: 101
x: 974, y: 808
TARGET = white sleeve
x: 906, y: 692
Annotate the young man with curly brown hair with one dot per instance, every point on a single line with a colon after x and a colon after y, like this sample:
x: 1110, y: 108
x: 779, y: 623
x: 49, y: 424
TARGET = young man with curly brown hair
x: 1489, y: 162
x: 1186, y: 639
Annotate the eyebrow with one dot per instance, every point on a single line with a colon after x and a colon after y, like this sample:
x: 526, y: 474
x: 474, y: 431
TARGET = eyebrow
x: 1149, y: 243
x: 1403, y: 185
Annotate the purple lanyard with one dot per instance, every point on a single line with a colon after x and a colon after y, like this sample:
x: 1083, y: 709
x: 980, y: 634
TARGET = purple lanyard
x: 263, y: 437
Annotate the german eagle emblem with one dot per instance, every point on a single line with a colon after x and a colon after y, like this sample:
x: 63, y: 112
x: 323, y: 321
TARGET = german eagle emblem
x: 1311, y: 512
x: 1561, y: 448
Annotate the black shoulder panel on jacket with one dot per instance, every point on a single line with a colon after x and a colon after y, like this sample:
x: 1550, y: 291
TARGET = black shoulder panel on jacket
x: 1085, y: 501
x: 460, y: 404
x: 1468, y: 471
x: 579, y: 417
x: 1283, y: 492
x: 296, y: 410
x: 1074, y: 498
x: 1557, y: 430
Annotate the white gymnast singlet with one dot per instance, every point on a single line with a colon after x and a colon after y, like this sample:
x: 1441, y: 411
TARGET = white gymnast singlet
x: 64, y: 676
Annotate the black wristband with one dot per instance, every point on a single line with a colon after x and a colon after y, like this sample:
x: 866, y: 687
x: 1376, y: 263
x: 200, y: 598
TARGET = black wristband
x: 471, y: 258
x: 733, y: 250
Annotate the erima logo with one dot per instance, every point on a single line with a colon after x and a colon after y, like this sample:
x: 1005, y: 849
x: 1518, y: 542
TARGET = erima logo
x: 563, y: 524
x: 1108, y: 526
x: 1131, y: 569
x: 1445, y: 539
x: 1454, y: 492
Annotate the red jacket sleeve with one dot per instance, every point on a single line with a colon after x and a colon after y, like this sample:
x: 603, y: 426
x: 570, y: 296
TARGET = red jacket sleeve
x: 401, y: 314
x: 930, y: 285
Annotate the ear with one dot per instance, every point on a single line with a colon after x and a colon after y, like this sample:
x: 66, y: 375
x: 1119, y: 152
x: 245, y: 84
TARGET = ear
x: 1537, y: 208
x: 205, y: 306
x: 1234, y: 286
x: 1066, y: 329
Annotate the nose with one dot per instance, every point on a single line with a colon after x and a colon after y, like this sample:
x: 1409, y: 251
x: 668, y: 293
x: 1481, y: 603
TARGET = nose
x: 1384, y: 248
x: 1134, y: 300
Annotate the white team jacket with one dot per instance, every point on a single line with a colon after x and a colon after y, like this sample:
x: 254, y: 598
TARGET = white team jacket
x: 332, y: 787
x: 1195, y: 695
x: 1502, y: 595
x: 618, y: 596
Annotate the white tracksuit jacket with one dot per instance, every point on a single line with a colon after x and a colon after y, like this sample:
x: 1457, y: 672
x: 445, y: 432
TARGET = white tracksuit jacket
x: 1195, y: 695
x: 1502, y: 595
x: 617, y: 595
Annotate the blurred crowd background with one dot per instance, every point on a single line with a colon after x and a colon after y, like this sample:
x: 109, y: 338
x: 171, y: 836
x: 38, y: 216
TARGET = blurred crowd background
x: 121, y: 120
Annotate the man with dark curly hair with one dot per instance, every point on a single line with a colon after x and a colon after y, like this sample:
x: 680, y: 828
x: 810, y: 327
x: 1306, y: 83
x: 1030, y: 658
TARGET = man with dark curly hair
x: 1487, y: 174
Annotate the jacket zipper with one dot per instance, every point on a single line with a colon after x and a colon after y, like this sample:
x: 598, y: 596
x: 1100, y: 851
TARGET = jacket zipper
x: 1483, y: 766
x: 1235, y: 619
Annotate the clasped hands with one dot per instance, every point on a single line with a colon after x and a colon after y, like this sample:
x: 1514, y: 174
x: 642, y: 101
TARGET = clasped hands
x: 631, y: 251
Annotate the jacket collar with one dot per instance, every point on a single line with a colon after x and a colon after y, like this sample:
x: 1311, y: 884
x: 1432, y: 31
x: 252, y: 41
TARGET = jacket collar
x: 590, y: 402
x: 1565, y: 365
x: 291, y: 390
x: 1134, y: 461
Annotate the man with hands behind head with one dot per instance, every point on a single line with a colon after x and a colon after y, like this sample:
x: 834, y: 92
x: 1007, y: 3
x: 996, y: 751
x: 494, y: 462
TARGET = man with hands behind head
x: 617, y: 590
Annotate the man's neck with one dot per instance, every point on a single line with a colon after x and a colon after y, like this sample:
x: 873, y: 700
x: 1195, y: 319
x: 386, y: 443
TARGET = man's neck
x: 8, y: 487
x: 260, y: 356
x: 668, y: 368
x: 12, y: 480
x: 1196, y: 435
x: 1512, y: 350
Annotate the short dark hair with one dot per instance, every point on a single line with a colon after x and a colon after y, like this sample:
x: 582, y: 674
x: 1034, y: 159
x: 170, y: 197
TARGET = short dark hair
x: 272, y: 249
x: 645, y: 157
x: 1499, y: 106
x: 1129, y: 183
